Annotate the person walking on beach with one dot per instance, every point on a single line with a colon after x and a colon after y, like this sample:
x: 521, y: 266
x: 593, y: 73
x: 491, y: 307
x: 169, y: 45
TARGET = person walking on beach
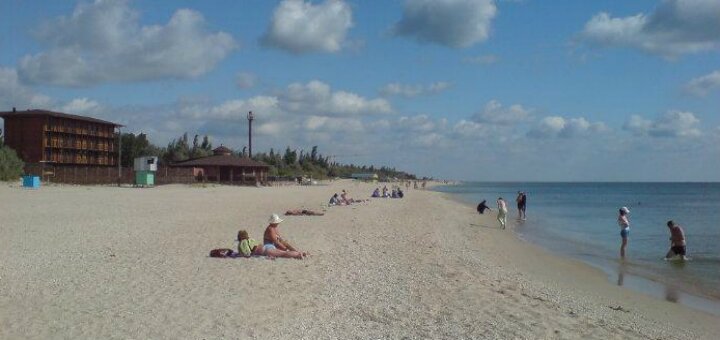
x: 624, y: 224
x: 502, y: 212
x: 521, y: 204
x: 677, y: 241
x: 482, y: 207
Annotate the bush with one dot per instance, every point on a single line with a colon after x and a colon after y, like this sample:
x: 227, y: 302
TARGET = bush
x: 11, y: 167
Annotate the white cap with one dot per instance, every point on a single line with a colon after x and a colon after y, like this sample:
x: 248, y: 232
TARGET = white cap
x: 625, y: 210
x: 275, y: 219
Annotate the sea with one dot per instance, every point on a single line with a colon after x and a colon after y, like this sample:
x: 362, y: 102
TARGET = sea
x: 579, y: 220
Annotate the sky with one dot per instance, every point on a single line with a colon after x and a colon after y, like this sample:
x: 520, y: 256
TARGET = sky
x: 483, y: 90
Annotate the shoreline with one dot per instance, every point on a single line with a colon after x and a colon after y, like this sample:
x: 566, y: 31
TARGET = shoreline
x: 106, y: 262
x: 637, y: 283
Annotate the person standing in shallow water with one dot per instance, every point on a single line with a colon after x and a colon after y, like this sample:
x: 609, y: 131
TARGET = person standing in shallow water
x: 522, y: 205
x: 502, y: 212
x: 624, y: 224
x: 677, y: 241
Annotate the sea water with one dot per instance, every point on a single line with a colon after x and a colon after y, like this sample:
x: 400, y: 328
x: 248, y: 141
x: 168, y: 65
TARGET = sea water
x: 580, y: 220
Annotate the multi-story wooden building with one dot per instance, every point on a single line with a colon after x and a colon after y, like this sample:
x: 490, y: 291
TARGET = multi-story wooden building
x: 40, y: 136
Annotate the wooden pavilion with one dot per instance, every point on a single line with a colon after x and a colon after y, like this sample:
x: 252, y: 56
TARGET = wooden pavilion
x: 224, y: 167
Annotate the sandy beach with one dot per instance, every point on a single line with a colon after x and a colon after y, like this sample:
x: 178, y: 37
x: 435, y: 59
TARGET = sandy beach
x: 98, y: 262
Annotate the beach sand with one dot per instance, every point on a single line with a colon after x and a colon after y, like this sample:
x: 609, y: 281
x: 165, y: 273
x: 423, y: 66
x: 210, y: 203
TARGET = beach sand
x: 117, y: 263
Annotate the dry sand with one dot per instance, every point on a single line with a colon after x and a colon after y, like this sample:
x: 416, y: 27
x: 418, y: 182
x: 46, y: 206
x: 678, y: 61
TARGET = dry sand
x: 123, y: 263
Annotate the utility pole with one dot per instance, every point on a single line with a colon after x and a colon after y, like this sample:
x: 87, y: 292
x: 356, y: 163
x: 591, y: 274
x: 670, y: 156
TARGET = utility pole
x: 250, y: 118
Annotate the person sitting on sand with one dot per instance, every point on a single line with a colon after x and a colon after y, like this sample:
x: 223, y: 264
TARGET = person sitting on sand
x: 248, y: 247
x: 376, y: 193
x: 299, y: 212
x: 400, y: 193
x: 482, y: 207
x: 394, y: 194
x: 344, y: 197
x: 272, y: 239
x: 335, y: 200
x: 385, y: 192
x: 677, y: 241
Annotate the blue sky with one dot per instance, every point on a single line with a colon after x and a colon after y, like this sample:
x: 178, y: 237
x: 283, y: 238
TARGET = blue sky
x: 462, y: 89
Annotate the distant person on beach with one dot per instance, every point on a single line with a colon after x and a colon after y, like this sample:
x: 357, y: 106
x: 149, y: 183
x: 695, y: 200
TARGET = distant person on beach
x: 385, y: 192
x: 521, y: 204
x: 376, y: 193
x: 502, y: 212
x: 624, y: 224
x: 482, y: 207
x: 400, y: 193
x: 677, y: 241
x: 272, y: 239
x: 300, y: 212
x: 415, y: 185
x: 335, y: 200
x: 248, y: 247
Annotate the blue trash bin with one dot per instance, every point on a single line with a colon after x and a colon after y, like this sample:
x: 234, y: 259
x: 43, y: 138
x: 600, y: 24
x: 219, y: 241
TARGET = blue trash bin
x: 31, y: 182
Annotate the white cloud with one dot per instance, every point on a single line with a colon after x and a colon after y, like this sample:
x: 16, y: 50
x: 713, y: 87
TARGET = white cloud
x: 81, y: 106
x: 453, y: 23
x: 245, y: 80
x: 232, y: 110
x: 317, y: 98
x: 671, y: 124
x: 676, y: 27
x: 701, y: 86
x: 419, y: 123
x: 406, y: 90
x: 465, y: 129
x: 495, y: 113
x: 104, y: 42
x: 486, y: 59
x: 332, y: 124
x: 556, y: 126
x: 14, y: 94
x: 299, y: 26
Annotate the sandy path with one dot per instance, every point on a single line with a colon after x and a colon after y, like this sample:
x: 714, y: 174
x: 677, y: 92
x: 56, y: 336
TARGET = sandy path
x: 104, y: 262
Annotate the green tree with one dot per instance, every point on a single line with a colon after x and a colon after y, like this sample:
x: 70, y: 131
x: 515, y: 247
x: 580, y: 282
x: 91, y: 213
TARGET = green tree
x: 206, y: 145
x: 136, y: 146
x: 178, y: 150
x: 11, y: 167
x: 290, y: 156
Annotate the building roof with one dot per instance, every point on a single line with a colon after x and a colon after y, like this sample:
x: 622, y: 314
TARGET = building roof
x: 35, y: 113
x: 221, y: 160
x: 221, y: 150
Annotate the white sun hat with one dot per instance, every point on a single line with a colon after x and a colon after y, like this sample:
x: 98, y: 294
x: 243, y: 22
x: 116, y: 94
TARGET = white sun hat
x: 275, y: 219
x: 625, y: 210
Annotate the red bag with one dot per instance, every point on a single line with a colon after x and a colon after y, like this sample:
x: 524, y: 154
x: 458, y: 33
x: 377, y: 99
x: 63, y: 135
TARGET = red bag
x: 221, y: 252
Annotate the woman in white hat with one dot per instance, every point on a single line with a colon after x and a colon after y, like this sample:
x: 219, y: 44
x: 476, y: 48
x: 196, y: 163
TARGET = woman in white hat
x: 272, y: 239
x: 624, y: 224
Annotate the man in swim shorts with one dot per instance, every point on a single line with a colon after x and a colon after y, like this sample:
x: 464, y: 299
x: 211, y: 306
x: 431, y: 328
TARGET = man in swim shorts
x: 677, y: 241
